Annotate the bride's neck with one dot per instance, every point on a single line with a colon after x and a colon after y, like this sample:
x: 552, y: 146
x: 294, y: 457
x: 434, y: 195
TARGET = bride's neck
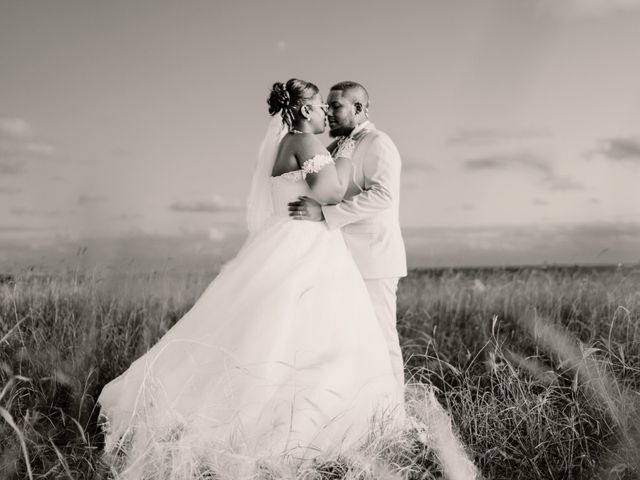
x: 303, y: 127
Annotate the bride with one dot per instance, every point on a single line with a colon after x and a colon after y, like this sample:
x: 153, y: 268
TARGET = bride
x: 281, y: 356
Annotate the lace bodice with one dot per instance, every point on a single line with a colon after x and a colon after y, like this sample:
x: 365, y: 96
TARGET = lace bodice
x: 289, y: 186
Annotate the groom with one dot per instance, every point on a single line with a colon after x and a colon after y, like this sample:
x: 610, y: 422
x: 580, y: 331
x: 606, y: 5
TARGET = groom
x: 368, y: 215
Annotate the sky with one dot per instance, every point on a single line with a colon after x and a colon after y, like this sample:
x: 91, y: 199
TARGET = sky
x: 131, y: 123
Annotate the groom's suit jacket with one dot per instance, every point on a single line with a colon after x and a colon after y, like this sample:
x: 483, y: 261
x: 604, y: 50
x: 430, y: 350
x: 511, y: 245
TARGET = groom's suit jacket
x: 369, y: 214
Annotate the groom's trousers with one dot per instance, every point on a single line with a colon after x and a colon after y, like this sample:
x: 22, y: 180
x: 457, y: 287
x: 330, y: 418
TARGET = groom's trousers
x: 383, y: 296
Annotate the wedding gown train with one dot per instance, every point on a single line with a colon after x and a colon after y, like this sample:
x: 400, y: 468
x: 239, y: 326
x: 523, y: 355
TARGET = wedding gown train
x: 281, y: 356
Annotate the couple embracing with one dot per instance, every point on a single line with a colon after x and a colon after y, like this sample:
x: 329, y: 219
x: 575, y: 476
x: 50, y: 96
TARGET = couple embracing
x: 291, y: 352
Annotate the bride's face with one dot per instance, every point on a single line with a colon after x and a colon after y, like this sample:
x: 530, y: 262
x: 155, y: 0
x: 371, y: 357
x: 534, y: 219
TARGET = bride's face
x: 317, y: 113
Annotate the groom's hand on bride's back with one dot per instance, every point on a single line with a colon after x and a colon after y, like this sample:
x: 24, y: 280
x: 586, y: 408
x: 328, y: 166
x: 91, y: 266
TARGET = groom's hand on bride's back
x: 306, y: 208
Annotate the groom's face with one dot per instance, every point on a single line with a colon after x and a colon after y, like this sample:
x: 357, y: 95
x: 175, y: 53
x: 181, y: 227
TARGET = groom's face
x: 342, y: 113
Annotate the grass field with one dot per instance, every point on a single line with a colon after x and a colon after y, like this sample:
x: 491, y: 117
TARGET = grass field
x: 539, y: 368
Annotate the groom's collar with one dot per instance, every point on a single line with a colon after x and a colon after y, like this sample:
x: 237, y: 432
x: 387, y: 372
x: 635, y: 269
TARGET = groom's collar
x: 364, y: 125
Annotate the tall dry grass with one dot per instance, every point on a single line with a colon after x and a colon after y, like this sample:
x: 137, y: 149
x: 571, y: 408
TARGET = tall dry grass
x: 540, y: 369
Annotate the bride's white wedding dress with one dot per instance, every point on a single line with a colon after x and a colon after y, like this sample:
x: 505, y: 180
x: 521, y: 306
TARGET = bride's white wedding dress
x: 281, y: 356
x: 280, y: 360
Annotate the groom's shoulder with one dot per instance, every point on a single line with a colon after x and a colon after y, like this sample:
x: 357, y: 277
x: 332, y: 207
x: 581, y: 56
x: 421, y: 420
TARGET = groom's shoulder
x: 375, y: 136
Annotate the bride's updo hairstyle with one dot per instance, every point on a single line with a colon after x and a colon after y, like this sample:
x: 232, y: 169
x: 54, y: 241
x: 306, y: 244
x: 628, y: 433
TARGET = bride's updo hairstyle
x: 287, y: 99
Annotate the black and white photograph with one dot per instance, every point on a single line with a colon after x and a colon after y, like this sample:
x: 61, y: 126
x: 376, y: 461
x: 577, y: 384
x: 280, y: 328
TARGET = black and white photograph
x: 320, y: 240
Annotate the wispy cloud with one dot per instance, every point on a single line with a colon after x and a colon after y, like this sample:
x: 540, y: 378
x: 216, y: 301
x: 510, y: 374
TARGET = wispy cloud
x: 34, y: 212
x: 619, y: 149
x: 562, y: 183
x: 19, y: 228
x: 12, y: 167
x: 216, y: 204
x: 523, y: 160
x: 15, y: 155
x: 39, y: 148
x: 125, y: 216
x: 489, y: 137
x: 527, y: 162
x: 86, y: 199
x: 15, y: 127
x: 19, y: 146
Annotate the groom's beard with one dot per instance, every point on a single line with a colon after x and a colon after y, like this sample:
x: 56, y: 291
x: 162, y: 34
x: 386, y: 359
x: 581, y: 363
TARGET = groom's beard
x: 341, y: 131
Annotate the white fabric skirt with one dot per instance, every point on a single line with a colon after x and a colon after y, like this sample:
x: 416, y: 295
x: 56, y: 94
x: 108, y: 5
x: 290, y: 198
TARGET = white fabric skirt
x: 281, y: 356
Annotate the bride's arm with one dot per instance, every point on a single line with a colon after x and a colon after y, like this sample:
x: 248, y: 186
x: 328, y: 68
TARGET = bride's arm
x: 327, y: 178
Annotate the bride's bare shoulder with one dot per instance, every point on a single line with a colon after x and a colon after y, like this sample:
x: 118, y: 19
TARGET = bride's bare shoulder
x: 306, y: 146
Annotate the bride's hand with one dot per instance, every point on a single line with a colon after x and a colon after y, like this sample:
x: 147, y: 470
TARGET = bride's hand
x: 306, y: 208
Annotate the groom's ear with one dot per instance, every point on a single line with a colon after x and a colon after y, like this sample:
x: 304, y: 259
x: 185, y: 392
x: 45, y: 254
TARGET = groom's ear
x: 358, y: 107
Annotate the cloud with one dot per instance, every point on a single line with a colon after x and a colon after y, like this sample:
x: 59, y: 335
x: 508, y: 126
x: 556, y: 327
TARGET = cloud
x: 34, y: 212
x: 588, y: 8
x: 39, y: 148
x: 15, y: 127
x: 216, y: 204
x: 562, y: 183
x: 18, y: 146
x: 488, y: 136
x: 125, y: 216
x: 12, y: 167
x: 539, y: 202
x: 524, y: 161
x: 19, y: 228
x: 85, y: 199
x: 9, y: 190
x: 619, y: 149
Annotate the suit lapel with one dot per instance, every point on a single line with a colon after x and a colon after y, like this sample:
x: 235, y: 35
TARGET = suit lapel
x: 357, y: 175
x: 360, y: 139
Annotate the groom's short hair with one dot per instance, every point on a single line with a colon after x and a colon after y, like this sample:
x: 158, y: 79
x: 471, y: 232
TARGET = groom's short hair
x: 358, y: 89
